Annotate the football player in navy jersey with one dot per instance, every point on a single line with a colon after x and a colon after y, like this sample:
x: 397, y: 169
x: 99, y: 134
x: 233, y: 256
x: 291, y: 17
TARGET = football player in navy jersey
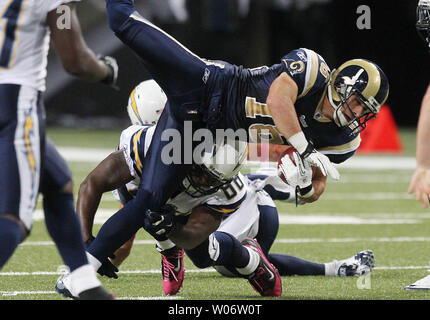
x: 297, y: 102
x: 420, y: 180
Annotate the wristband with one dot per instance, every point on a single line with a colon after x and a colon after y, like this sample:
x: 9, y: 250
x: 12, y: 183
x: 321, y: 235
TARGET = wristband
x: 308, y: 194
x: 299, y: 142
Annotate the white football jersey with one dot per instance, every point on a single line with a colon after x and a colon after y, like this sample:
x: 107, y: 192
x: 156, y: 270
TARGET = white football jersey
x: 24, y: 41
x: 225, y: 201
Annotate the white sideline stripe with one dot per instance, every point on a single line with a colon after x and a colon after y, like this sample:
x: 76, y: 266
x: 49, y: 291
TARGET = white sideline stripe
x: 356, y: 162
x: 55, y: 273
x: 295, y: 240
x: 308, y: 218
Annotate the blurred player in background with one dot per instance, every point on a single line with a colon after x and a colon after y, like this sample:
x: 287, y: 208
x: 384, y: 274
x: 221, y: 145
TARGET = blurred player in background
x: 241, y: 209
x: 420, y: 182
x: 296, y: 101
x: 29, y: 162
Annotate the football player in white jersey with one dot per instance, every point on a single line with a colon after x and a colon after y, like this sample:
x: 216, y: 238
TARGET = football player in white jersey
x: 30, y: 163
x: 245, y: 208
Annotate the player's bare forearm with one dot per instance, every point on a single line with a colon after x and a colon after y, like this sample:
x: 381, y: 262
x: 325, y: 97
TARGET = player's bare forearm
x: 199, y: 226
x: 280, y: 101
x: 319, y: 182
x: 76, y: 57
x: 109, y: 175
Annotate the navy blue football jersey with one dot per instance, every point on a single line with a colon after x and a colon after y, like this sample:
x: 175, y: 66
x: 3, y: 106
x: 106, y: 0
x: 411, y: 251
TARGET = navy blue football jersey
x: 247, y: 91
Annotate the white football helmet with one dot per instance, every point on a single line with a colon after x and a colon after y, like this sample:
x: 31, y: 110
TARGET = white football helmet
x: 146, y: 102
x: 216, y: 168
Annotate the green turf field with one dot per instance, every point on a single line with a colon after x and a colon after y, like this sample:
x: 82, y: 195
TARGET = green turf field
x: 366, y: 210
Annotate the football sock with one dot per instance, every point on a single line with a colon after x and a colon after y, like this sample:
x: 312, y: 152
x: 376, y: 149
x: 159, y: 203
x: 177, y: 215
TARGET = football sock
x: 84, y: 278
x: 63, y: 226
x: 222, y: 249
x: 290, y: 265
x: 254, y: 261
x: 164, y: 245
x: 10, y: 238
x: 108, y: 239
x: 233, y: 253
x: 331, y: 268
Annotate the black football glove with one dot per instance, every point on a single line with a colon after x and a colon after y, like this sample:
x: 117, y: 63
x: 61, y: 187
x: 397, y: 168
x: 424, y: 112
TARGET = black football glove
x: 159, y: 223
x: 113, y: 69
x: 107, y: 268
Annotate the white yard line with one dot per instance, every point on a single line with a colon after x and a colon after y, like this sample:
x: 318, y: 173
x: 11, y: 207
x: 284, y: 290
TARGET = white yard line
x: 356, y: 162
x: 16, y: 293
x: 30, y: 293
x: 290, y: 240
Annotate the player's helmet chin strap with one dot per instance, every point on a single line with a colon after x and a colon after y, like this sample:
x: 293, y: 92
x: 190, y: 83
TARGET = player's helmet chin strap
x: 347, y: 89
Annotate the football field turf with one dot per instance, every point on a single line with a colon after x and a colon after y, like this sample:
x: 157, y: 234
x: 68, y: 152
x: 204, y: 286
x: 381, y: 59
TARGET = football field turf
x: 367, y: 209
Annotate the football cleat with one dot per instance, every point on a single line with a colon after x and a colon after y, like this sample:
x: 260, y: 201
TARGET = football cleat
x: 265, y: 279
x: 358, y: 265
x: 63, y: 287
x: 172, y: 270
x: 422, y: 284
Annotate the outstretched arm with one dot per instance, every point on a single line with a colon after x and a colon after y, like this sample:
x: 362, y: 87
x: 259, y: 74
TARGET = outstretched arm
x: 420, y: 182
x: 109, y: 175
x: 280, y: 101
x: 76, y: 57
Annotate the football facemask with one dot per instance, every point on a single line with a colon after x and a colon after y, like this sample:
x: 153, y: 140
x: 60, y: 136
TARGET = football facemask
x: 217, y: 168
x: 423, y: 20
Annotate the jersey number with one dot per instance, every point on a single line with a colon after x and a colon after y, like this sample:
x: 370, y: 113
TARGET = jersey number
x: 10, y: 14
x: 260, y: 131
x: 231, y: 190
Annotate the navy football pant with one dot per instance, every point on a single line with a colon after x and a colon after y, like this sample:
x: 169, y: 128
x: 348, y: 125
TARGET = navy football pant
x: 181, y: 75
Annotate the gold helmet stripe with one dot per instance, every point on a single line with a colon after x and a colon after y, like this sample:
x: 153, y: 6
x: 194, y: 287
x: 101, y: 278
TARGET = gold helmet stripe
x: 312, y: 73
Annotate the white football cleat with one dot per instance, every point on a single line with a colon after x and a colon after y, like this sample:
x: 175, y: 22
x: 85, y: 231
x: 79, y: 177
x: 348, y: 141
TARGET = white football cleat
x: 360, y: 264
x: 63, y: 286
x: 422, y: 284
